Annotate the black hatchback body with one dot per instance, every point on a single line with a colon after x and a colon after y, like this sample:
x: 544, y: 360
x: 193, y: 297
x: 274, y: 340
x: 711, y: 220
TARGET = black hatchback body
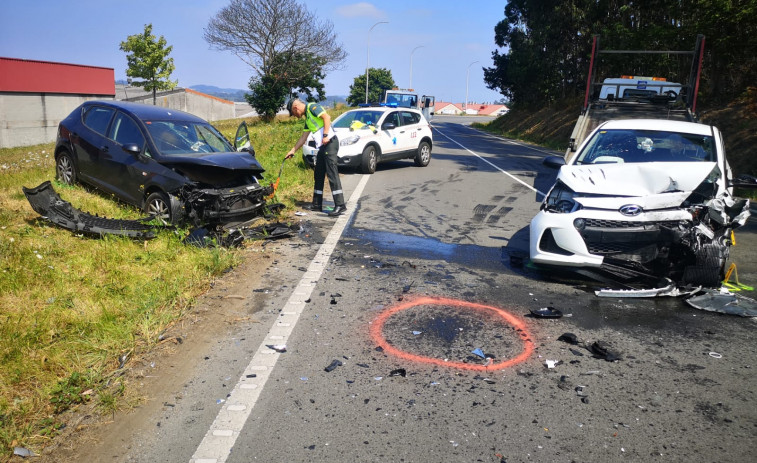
x: 169, y: 163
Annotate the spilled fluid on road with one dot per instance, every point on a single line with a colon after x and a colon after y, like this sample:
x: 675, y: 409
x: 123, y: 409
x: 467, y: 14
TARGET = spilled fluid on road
x: 470, y: 255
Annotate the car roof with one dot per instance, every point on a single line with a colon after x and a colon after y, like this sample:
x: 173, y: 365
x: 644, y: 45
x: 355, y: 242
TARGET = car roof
x: 660, y: 125
x: 147, y: 112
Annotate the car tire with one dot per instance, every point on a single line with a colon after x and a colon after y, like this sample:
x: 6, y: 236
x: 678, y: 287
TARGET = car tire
x: 159, y: 205
x: 709, y: 269
x: 368, y: 160
x: 423, y: 156
x: 65, y: 169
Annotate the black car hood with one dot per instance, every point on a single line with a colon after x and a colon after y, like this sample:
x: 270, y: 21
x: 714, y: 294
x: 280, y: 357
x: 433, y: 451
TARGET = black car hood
x: 216, y: 169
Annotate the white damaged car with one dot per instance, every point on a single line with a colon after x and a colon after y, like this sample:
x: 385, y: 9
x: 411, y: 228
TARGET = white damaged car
x: 651, y: 196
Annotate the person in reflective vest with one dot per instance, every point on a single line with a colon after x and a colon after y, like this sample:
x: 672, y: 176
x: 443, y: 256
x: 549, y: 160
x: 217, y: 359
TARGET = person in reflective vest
x: 318, y: 122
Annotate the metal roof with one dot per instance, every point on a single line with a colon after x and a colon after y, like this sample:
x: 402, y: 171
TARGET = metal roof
x: 31, y: 76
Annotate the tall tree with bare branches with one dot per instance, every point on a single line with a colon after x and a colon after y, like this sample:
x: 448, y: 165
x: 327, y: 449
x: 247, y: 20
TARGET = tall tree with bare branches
x: 274, y: 37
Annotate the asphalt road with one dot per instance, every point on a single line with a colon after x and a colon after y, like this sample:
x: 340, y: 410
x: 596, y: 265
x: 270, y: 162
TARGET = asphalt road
x: 419, y: 279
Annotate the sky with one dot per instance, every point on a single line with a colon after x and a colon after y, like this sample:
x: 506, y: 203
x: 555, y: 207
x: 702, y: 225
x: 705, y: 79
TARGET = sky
x: 448, y: 42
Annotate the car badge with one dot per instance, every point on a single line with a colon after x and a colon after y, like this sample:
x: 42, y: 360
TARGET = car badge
x: 631, y: 210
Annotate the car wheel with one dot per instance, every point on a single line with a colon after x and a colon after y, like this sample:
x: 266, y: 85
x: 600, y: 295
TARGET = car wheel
x: 709, y: 269
x: 158, y: 204
x: 368, y: 160
x: 65, y: 168
x: 423, y: 156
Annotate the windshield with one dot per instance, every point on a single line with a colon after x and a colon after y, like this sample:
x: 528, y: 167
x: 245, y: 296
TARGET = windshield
x: 403, y: 100
x: 364, y: 119
x: 180, y: 137
x: 621, y: 146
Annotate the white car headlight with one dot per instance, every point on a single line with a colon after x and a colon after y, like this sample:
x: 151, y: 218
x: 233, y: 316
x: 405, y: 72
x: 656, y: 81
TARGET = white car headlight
x: 560, y: 200
x: 349, y: 140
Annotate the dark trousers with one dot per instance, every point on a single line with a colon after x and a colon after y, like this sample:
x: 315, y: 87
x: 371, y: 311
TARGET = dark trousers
x: 326, y: 165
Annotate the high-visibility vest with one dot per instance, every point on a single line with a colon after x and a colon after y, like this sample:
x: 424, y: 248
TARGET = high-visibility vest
x: 313, y: 122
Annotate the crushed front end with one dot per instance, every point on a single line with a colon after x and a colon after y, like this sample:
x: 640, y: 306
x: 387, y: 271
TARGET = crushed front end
x: 206, y: 205
x: 655, y: 227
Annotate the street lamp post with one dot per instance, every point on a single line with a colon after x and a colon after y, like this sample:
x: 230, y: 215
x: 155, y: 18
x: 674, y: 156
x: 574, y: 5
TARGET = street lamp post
x: 467, y: 77
x: 368, y: 55
x: 411, y: 65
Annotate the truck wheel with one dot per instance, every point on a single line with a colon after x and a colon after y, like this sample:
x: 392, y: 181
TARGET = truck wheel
x: 159, y: 205
x: 65, y: 168
x: 423, y: 156
x: 368, y: 160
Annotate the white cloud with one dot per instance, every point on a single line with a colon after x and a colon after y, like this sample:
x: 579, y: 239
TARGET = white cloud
x: 360, y: 9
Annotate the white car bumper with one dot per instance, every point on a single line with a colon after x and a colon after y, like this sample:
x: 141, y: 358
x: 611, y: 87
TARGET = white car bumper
x: 555, y: 240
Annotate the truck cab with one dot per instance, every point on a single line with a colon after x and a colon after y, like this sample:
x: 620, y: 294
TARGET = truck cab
x: 408, y: 98
x: 637, y: 87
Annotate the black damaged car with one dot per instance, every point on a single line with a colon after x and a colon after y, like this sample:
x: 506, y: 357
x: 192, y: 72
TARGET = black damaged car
x: 169, y: 163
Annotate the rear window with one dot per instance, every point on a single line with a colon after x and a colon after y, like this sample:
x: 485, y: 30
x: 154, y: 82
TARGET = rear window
x: 97, y: 118
x: 409, y: 118
x: 632, y: 146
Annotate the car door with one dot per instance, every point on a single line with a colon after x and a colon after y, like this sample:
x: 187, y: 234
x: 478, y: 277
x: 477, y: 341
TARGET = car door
x: 122, y: 171
x: 91, y: 140
x: 410, y: 133
x: 242, y: 138
x: 391, y: 139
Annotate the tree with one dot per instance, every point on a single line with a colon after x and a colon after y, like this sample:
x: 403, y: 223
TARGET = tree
x: 148, y: 59
x: 548, y: 44
x: 301, y: 75
x: 379, y: 79
x: 282, y: 41
x: 267, y: 96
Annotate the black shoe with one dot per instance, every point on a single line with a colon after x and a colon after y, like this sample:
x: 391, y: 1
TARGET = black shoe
x: 315, y: 207
x: 337, y: 211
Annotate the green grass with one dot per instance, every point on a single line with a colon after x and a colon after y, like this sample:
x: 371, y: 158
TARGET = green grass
x: 71, y: 306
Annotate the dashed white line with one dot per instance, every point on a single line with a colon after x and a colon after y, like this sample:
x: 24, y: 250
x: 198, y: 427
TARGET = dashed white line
x: 223, y: 433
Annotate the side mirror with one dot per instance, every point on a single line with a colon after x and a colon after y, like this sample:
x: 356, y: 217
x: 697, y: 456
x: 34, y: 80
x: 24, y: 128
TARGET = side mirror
x: 388, y: 126
x: 554, y: 162
x: 132, y: 148
x: 743, y: 181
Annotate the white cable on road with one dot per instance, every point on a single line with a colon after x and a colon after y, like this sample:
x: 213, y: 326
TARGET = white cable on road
x: 486, y: 161
x: 218, y: 441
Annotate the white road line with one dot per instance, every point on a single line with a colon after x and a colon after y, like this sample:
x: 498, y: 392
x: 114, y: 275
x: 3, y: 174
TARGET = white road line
x: 223, y: 433
x: 486, y: 161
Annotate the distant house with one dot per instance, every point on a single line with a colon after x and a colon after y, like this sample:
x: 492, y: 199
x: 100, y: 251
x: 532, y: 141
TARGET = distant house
x: 473, y: 109
x: 36, y: 95
x: 490, y: 109
x: 441, y: 107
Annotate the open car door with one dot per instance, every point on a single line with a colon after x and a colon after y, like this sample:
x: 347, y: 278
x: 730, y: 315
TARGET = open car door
x: 242, y: 138
x: 428, y: 107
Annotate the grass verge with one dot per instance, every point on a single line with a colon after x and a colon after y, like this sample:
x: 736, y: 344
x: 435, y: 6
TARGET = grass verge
x: 74, y: 309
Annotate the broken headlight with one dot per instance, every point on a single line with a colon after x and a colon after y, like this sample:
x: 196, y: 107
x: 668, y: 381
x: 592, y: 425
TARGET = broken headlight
x: 349, y: 140
x: 560, y: 200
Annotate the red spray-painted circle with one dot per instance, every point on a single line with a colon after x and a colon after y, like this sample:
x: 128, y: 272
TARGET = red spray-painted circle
x: 377, y: 329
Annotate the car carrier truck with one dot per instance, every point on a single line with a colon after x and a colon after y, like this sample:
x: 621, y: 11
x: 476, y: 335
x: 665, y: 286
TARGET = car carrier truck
x: 636, y: 97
